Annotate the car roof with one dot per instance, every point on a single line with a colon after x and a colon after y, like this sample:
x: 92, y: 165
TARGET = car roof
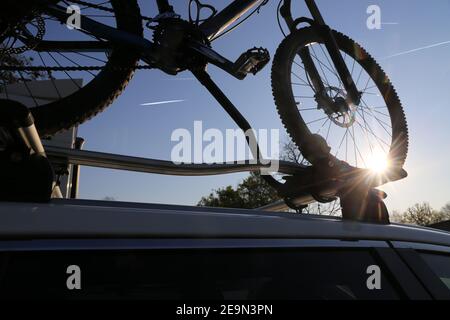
x: 109, y: 219
x: 443, y: 225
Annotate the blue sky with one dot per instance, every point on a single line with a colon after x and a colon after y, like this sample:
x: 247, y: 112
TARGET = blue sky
x: 422, y: 80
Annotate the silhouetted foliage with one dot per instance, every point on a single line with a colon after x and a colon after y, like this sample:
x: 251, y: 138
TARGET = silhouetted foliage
x: 422, y: 214
x: 10, y: 77
x: 253, y: 192
x: 446, y: 210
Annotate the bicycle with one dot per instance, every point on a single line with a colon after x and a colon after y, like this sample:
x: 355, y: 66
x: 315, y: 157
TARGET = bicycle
x: 315, y: 70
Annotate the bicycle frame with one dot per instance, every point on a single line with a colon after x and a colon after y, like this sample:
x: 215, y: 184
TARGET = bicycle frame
x: 218, y: 23
x: 214, y: 26
x: 211, y: 29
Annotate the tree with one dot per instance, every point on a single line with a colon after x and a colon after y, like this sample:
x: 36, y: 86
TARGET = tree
x: 446, y: 210
x: 293, y: 154
x: 253, y: 192
x: 422, y: 215
x: 10, y: 77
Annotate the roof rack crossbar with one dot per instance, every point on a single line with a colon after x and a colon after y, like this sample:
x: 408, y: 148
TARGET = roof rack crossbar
x: 137, y: 164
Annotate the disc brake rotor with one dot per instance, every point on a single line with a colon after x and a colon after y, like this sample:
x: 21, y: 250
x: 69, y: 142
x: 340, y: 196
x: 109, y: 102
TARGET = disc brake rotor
x: 342, y: 114
x: 21, y: 33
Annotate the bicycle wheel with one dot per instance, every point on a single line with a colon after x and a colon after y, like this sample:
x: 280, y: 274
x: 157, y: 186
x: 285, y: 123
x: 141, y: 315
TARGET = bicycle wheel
x: 372, y: 135
x: 65, y: 101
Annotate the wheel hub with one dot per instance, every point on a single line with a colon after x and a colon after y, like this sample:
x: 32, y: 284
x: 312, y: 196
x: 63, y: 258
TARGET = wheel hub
x: 338, y: 108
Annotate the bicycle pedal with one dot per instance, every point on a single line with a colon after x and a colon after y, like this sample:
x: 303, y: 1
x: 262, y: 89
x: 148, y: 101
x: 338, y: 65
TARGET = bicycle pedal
x: 251, y: 61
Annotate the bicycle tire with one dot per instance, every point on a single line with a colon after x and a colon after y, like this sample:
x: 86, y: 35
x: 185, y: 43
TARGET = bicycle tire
x: 101, y: 91
x: 287, y: 107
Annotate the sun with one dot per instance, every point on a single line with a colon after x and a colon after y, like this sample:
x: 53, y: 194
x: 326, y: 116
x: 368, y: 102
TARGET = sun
x: 378, y: 162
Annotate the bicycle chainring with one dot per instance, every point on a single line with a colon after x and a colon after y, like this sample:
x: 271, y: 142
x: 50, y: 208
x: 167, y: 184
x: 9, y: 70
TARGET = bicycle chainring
x: 34, y: 41
x: 172, y: 36
x: 21, y: 32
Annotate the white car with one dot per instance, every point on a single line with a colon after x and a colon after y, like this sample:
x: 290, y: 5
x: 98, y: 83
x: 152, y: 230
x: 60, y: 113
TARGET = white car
x: 76, y: 249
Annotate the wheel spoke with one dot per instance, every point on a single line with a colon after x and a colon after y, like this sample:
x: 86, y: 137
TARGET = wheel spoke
x: 321, y: 63
x: 67, y: 74
x: 357, y: 149
x: 342, y: 141
x: 295, y: 75
x: 379, y: 121
x: 320, y: 66
x: 28, y: 89
x: 380, y: 141
x: 323, y: 125
x: 367, y: 127
x: 51, y: 78
x: 304, y: 97
x: 346, y: 148
x: 365, y: 131
x: 330, y: 64
x: 75, y: 63
x: 309, y: 85
x: 308, y: 109
x: 328, y: 131
x: 311, y: 122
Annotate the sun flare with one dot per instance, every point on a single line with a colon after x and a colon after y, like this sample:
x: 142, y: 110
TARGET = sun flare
x: 378, y: 162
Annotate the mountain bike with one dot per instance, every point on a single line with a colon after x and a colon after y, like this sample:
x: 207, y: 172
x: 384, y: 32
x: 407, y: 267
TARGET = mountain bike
x: 333, y: 98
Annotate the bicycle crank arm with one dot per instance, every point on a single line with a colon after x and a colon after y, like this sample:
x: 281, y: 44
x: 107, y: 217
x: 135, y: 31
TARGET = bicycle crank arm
x: 216, y: 59
x: 251, y: 61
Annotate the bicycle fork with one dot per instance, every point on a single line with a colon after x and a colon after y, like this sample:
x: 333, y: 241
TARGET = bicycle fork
x: 333, y: 49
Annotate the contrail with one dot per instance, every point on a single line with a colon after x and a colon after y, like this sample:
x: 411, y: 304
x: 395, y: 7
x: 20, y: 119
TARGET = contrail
x: 161, y: 102
x: 418, y: 49
x: 180, y: 79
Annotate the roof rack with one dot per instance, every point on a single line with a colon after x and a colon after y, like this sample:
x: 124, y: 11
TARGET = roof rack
x: 355, y: 188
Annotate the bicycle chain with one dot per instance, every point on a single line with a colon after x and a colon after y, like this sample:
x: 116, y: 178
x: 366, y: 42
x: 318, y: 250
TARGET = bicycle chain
x: 78, y: 68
